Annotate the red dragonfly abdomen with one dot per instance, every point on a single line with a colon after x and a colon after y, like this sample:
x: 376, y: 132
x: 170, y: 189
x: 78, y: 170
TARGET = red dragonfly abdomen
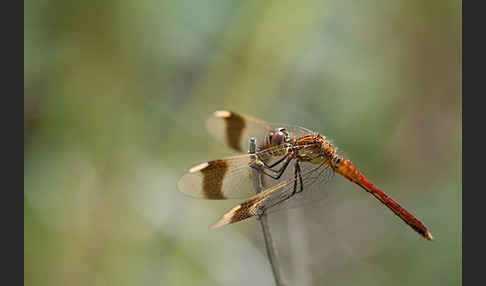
x: 347, y: 169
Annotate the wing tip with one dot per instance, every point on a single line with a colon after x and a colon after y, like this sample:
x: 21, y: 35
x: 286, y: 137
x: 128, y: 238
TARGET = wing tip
x: 227, y: 218
x: 222, y: 221
x: 217, y: 224
x: 180, y: 184
x: 222, y: 113
x: 199, y: 167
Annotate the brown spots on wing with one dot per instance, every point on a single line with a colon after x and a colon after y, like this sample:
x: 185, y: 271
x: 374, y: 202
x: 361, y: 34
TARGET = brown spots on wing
x: 246, y: 210
x: 235, y: 124
x: 240, y: 212
x: 212, y: 181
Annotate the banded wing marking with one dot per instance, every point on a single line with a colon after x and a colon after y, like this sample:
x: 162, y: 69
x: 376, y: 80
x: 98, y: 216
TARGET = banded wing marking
x: 235, y: 129
x: 224, y: 178
x: 281, y: 196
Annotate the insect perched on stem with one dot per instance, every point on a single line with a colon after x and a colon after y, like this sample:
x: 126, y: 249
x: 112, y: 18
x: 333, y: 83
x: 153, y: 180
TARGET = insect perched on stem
x: 293, y: 161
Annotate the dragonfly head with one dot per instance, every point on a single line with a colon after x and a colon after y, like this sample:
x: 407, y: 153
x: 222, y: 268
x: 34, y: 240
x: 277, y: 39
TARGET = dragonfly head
x: 278, y: 136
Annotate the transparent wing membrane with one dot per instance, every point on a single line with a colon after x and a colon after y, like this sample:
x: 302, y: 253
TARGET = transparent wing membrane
x: 225, y: 178
x: 235, y: 130
x: 290, y: 192
x: 286, y: 181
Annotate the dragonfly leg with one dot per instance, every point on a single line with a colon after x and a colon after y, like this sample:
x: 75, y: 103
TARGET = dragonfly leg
x: 295, y: 179
x: 298, y: 179
x: 299, y: 176
x: 269, y: 167
x: 281, y: 171
x: 297, y: 166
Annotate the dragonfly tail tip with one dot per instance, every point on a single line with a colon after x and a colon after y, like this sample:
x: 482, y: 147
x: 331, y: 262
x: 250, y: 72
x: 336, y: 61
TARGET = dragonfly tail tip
x: 429, y: 236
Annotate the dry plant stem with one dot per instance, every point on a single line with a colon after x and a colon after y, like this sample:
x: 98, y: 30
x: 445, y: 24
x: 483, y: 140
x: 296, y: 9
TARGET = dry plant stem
x: 269, y: 245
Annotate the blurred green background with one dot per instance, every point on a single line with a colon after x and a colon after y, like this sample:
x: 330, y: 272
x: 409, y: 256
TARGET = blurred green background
x: 116, y: 94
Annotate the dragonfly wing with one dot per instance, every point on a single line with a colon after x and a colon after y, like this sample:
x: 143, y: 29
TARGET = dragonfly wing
x: 219, y: 179
x: 253, y: 206
x: 225, y: 178
x: 236, y: 129
x: 315, y: 183
x: 283, y: 195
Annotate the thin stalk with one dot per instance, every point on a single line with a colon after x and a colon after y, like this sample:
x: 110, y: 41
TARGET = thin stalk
x: 269, y: 244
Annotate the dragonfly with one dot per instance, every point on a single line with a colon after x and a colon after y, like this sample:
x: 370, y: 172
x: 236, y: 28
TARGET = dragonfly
x: 294, y: 163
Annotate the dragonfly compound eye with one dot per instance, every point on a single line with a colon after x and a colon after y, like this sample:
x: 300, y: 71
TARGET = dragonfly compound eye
x: 278, y: 137
x: 270, y: 136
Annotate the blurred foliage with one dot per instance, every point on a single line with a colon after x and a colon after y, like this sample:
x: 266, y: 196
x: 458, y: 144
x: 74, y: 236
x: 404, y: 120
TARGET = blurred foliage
x: 115, y: 96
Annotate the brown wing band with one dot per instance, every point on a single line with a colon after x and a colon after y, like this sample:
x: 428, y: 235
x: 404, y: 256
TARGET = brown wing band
x: 212, y: 182
x: 246, y: 210
x: 235, y: 124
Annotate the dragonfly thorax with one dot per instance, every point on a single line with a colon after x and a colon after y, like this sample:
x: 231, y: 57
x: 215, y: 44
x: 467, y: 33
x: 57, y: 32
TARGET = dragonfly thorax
x: 314, y: 148
x: 330, y: 151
